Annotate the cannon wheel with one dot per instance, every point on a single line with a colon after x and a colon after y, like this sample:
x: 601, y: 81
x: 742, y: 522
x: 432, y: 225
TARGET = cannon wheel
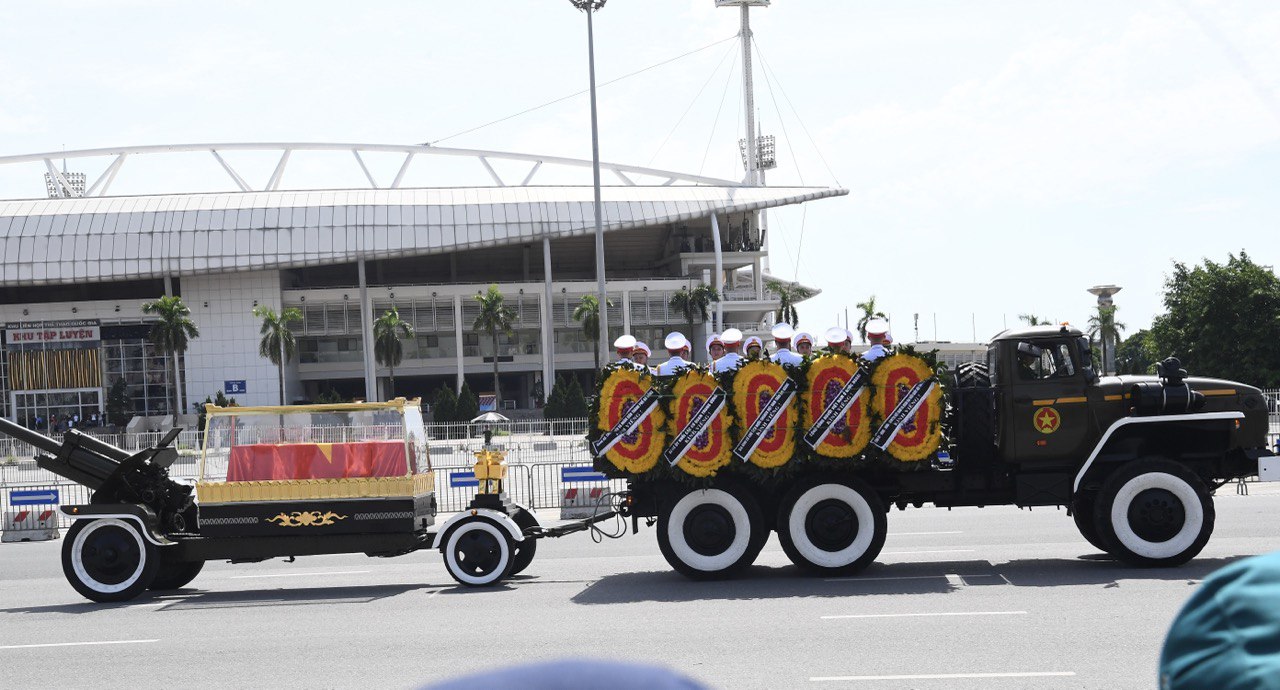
x: 175, y: 574
x: 478, y: 552
x: 108, y: 559
x: 524, y: 550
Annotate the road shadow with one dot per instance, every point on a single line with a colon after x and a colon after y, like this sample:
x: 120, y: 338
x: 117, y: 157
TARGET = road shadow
x: 190, y: 599
x: 934, y: 577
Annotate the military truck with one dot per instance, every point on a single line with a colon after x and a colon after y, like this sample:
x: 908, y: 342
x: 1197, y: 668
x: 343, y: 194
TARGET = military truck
x: 1133, y: 459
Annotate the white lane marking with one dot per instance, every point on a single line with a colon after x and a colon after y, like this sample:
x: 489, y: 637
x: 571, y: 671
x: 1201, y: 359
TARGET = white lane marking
x: 855, y: 578
x: 920, y: 534
x: 926, y: 615
x: 955, y: 580
x: 904, y: 553
x: 75, y: 644
x: 947, y: 676
x: 335, y: 572
x: 433, y: 594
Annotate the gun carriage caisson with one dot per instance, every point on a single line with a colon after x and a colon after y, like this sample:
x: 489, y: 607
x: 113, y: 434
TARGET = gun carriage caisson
x: 1134, y: 459
x: 278, y: 482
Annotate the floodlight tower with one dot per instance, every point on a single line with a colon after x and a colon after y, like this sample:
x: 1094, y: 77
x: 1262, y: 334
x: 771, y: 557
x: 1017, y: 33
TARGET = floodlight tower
x: 1104, y: 293
x: 591, y: 7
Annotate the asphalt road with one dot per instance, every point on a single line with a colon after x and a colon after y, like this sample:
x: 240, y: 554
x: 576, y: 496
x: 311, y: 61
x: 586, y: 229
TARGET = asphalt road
x: 970, y: 598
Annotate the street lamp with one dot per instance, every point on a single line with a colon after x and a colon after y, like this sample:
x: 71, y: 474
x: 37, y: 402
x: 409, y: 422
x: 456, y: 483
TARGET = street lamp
x: 1104, y: 293
x: 591, y: 7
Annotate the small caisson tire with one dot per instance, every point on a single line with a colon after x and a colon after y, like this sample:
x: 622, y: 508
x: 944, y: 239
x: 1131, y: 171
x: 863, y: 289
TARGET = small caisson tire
x: 711, y: 534
x: 478, y: 552
x: 175, y: 574
x: 108, y: 559
x: 1154, y: 512
x: 524, y: 550
x: 832, y: 527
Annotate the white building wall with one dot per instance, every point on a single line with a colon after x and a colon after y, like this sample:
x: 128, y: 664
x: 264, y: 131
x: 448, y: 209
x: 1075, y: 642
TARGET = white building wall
x: 227, y: 349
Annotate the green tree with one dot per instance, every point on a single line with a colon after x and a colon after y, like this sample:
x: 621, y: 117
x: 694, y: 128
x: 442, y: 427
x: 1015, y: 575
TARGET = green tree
x: 587, y: 313
x: 869, y: 312
x: 468, y: 405
x: 1104, y: 327
x: 388, y: 331
x: 1136, y: 354
x: 444, y: 407
x: 575, y: 404
x: 277, y: 343
x: 494, y: 318
x: 789, y: 294
x: 1033, y: 320
x: 694, y: 304
x: 1223, y: 320
x: 555, y: 402
x: 119, y: 405
x: 171, y: 334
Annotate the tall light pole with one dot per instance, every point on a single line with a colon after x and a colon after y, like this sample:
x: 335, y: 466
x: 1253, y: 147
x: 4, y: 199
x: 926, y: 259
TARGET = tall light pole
x: 1104, y: 293
x: 591, y: 7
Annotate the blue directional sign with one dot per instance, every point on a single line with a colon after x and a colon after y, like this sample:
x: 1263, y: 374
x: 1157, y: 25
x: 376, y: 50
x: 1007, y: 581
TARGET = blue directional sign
x: 458, y: 480
x: 235, y: 387
x: 581, y: 473
x: 33, y: 497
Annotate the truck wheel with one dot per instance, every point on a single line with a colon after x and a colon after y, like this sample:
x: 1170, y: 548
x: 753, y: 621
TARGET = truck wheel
x: 108, y: 559
x: 1154, y: 513
x: 478, y: 552
x: 712, y: 533
x: 175, y: 574
x: 832, y: 528
x: 1082, y: 511
x: 523, y: 550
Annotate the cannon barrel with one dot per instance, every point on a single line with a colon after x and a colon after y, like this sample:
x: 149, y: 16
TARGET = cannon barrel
x: 28, y: 436
x: 79, y: 457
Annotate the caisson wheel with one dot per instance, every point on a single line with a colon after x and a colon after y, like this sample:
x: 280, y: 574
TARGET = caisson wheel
x: 1082, y: 511
x: 1154, y: 513
x: 478, y: 552
x: 712, y: 533
x: 832, y: 528
x: 108, y: 559
x: 175, y: 574
x: 524, y: 550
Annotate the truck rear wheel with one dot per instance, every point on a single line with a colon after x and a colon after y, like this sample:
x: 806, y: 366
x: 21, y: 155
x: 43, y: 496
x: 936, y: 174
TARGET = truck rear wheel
x: 1154, y: 512
x: 175, y: 574
x: 712, y: 533
x: 975, y: 413
x: 478, y: 552
x: 832, y: 528
x: 108, y: 559
x: 1083, y: 512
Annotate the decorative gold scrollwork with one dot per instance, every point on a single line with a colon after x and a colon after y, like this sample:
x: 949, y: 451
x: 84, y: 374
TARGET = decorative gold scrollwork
x: 310, y: 518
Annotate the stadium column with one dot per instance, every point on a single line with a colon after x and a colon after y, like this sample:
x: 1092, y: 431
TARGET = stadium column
x: 626, y: 311
x: 715, y: 241
x: 548, y: 324
x: 366, y: 336
x: 457, y: 338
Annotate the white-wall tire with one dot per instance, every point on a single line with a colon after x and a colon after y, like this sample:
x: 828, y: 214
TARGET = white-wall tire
x: 708, y: 533
x: 1154, y: 513
x: 477, y: 553
x: 108, y: 559
x: 832, y: 527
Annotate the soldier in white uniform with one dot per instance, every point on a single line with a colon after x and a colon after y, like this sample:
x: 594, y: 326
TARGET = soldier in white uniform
x: 782, y: 335
x: 754, y: 347
x: 715, y: 348
x: 625, y: 346
x: 803, y: 342
x: 677, y: 347
x: 878, y: 336
x: 732, y: 339
x: 640, y: 355
x: 838, y: 340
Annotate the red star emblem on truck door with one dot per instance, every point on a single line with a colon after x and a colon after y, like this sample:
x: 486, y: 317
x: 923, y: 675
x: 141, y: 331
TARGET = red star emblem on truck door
x: 1047, y: 420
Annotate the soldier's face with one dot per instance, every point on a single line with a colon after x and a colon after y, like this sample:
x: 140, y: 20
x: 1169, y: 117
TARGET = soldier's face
x: 804, y: 348
x: 640, y: 358
x: 717, y: 350
x: 753, y: 351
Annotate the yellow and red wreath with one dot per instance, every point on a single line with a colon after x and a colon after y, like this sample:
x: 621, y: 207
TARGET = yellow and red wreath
x: 921, y: 435
x: 639, y: 450
x: 753, y: 385
x: 850, y: 434
x: 712, y: 449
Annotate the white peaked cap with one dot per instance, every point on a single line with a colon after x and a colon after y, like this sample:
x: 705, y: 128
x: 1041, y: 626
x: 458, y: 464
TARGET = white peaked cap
x: 802, y: 335
x: 836, y: 335
x: 877, y: 327
x: 625, y: 342
x: 753, y: 341
x: 731, y: 336
x: 675, y: 340
x: 782, y: 331
x: 712, y: 339
x: 641, y: 346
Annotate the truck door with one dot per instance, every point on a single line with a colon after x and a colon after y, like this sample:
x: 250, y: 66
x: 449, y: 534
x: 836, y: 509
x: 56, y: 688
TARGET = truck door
x: 1049, y: 411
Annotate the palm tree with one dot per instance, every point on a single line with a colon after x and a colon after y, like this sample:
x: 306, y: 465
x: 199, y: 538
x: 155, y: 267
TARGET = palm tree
x: 868, y: 312
x: 788, y: 295
x: 694, y: 304
x: 587, y: 313
x: 388, y: 330
x: 277, y: 344
x: 171, y: 334
x: 1033, y: 320
x: 494, y: 317
x: 1104, y: 326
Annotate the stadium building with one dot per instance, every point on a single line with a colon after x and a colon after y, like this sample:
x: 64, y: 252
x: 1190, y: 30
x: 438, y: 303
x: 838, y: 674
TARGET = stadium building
x: 80, y: 262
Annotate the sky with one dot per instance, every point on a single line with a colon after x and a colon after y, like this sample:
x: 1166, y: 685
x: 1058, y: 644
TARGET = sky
x: 1000, y: 157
